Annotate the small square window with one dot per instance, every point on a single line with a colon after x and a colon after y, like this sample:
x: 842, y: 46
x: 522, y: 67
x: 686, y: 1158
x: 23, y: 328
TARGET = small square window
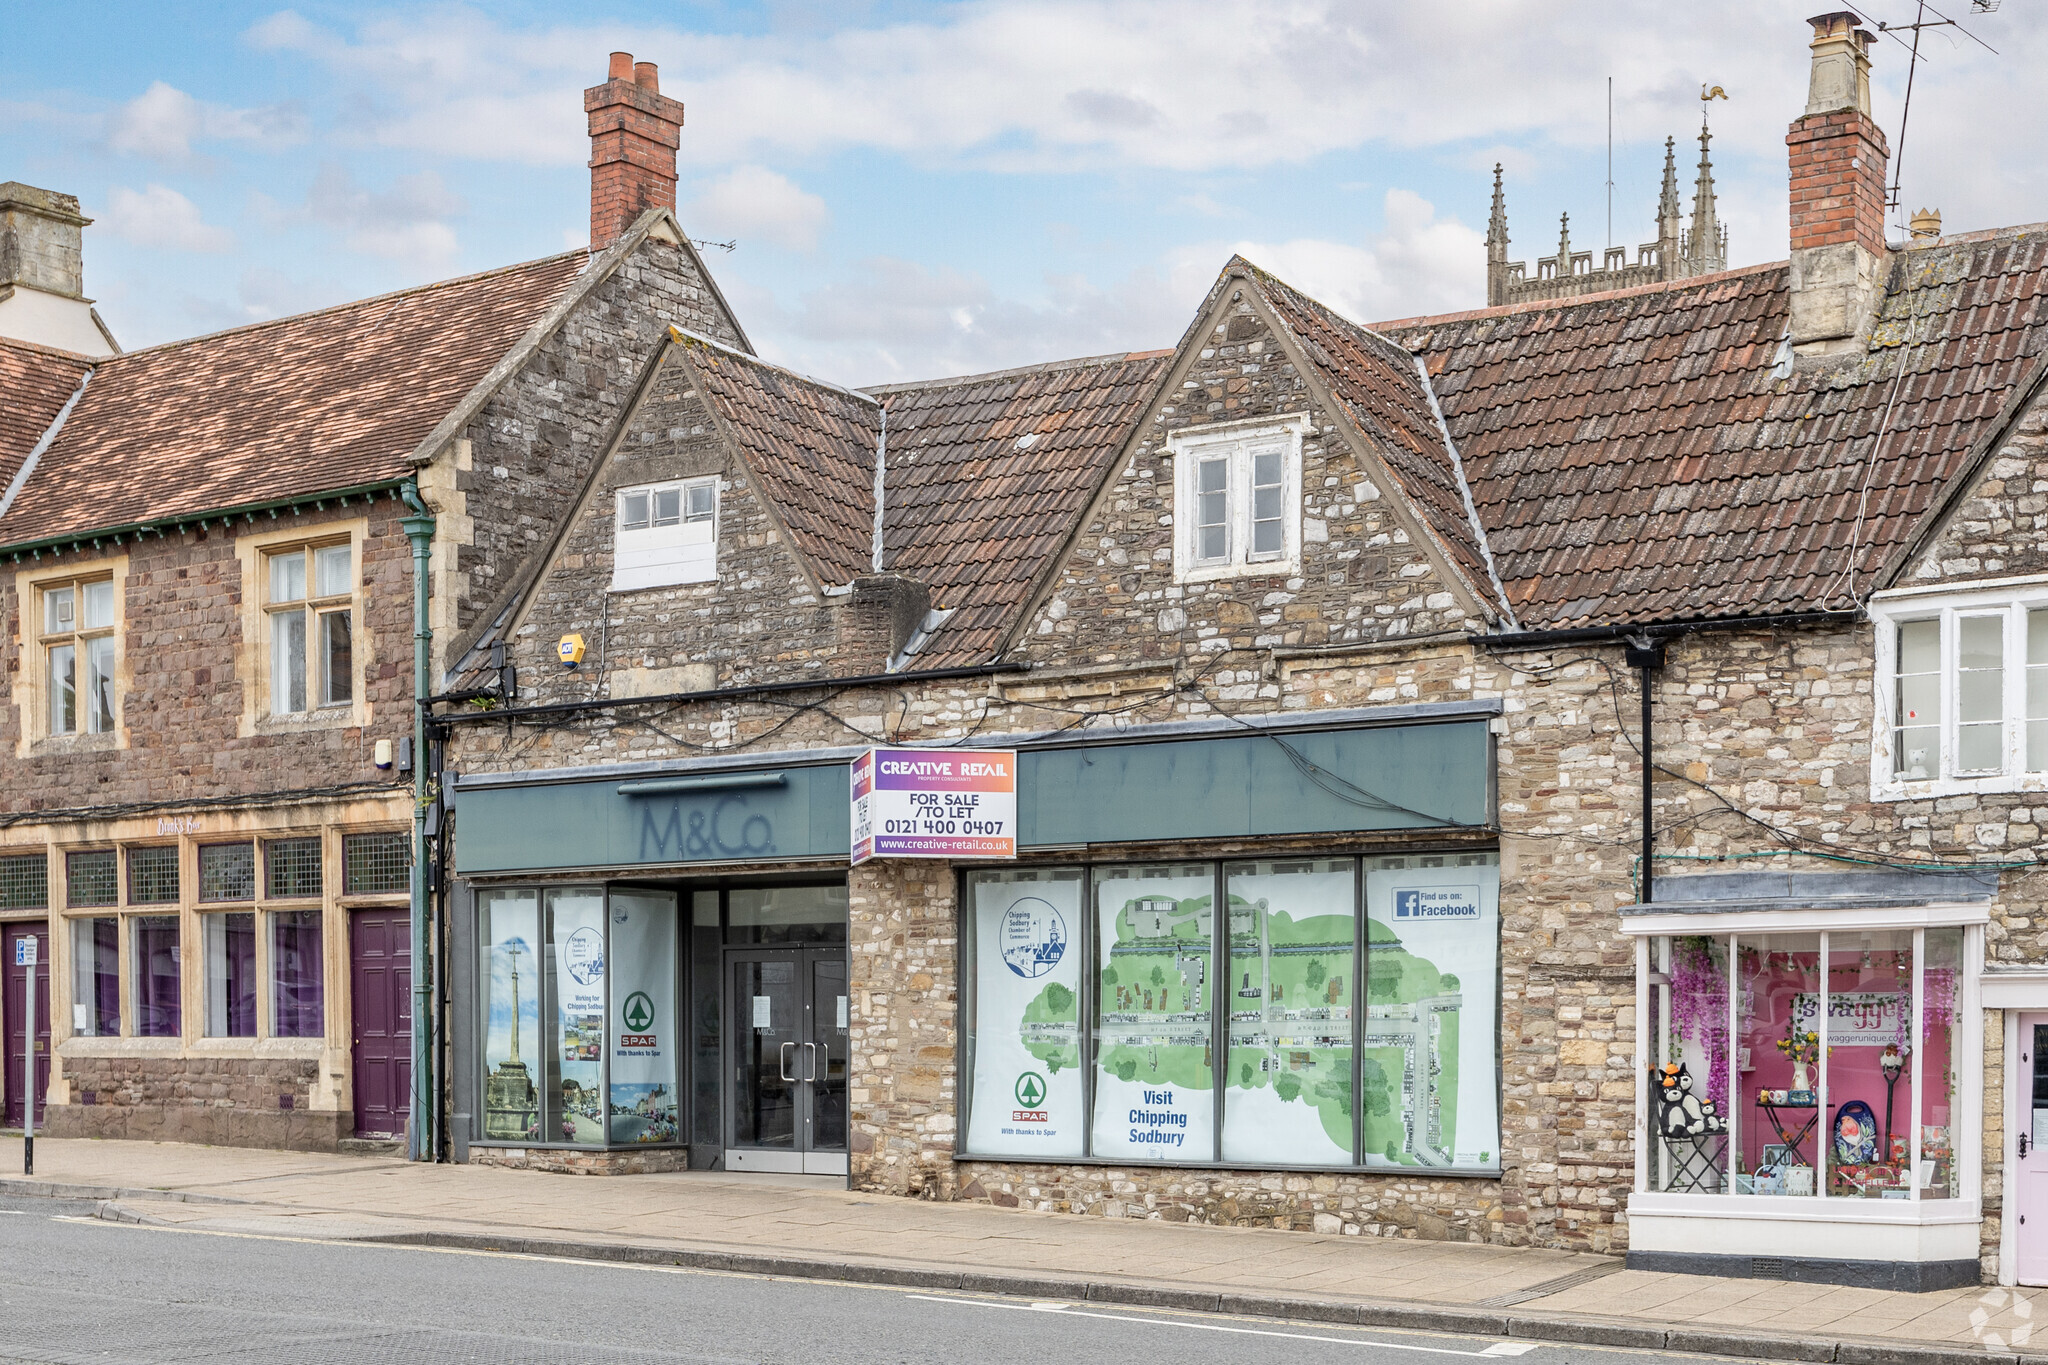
x: 288, y: 578
x: 153, y: 875
x: 330, y: 571
x: 92, y: 878
x: 227, y: 872
x: 292, y: 868
x: 25, y: 882
x: 60, y: 611
x: 376, y: 863
x: 703, y: 500
x: 633, y: 512
x: 99, y: 605
x: 668, y: 505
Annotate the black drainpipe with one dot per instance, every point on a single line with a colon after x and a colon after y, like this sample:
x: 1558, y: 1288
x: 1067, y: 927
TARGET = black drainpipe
x: 1645, y: 654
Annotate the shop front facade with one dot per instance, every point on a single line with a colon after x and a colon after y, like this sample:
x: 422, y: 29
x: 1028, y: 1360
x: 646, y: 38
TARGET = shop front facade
x: 1193, y: 965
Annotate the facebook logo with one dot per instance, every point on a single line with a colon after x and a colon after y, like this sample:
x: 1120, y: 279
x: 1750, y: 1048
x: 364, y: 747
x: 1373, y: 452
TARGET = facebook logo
x: 1437, y: 902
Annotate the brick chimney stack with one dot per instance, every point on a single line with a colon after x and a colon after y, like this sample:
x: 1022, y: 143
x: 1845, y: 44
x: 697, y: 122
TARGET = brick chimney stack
x: 634, y: 133
x: 1839, y: 156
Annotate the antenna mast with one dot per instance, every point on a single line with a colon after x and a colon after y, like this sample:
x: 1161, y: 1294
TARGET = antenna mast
x: 1610, y: 161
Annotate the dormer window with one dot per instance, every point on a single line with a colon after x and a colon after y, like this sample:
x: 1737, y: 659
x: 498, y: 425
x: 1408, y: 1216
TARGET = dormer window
x: 1238, y: 500
x: 667, y: 534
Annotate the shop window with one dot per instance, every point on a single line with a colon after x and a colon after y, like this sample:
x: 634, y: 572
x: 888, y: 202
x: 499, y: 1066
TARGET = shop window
x: 296, y: 986
x: 768, y: 916
x: 227, y: 872
x: 1966, y: 701
x: 573, y: 1094
x: 667, y: 534
x: 78, y: 630
x: 230, y: 944
x: 1288, y: 1070
x: 153, y: 875
x: 508, y: 931
x: 291, y: 869
x: 95, y: 977
x: 25, y: 881
x: 92, y: 878
x: 1821, y: 1065
x: 309, y: 600
x: 1310, y: 1076
x: 154, y: 951
x: 640, y: 1037
x: 376, y: 864
x: 1237, y: 500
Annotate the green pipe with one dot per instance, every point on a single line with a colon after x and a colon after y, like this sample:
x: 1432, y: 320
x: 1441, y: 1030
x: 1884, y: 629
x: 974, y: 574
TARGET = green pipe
x: 419, y: 529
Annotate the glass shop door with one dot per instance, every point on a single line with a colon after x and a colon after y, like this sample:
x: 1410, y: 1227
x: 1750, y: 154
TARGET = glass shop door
x: 787, y: 1060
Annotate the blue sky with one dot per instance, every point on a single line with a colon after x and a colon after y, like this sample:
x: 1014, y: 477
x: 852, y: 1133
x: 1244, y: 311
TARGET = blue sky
x: 921, y: 189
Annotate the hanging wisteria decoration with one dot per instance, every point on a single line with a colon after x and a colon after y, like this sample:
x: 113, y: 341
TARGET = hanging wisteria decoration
x: 1699, y: 1009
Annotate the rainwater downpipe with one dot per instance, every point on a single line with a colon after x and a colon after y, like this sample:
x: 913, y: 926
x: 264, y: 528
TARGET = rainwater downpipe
x: 419, y: 529
x: 1646, y: 656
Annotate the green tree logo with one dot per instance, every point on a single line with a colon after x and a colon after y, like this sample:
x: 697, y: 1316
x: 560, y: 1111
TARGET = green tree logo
x: 1031, y: 1090
x: 638, y: 1013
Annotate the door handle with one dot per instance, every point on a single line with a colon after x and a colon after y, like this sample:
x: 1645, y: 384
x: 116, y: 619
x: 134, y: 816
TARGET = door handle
x: 2024, y: 1144
x: 811, y: 1061
x: 782, y: 1062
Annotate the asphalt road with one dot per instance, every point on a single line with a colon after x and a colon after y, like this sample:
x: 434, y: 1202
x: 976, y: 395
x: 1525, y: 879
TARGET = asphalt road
x: 74, y: 1289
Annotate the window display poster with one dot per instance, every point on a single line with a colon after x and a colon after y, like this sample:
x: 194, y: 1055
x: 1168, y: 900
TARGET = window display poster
x: 512, y: 973
x: 643, y: 1017
x: 1155, y: 990
x: 1288, y: 1077
x: 576, y: 923
x: 1428, y: 1071
x: 1027, y: 1097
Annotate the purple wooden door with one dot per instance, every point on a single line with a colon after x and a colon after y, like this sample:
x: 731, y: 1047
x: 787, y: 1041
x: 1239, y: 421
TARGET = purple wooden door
x: 2029, y: 1199
x: 16, y: 993
x: 380, y: 959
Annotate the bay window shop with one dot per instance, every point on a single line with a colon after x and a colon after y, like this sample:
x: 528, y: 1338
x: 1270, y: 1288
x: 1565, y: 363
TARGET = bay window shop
x: 1268, y: 945
x: 1814, y: 1077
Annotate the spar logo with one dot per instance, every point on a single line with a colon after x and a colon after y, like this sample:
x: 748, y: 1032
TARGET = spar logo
x: 1030, y: 1093
x: 638, y: 1016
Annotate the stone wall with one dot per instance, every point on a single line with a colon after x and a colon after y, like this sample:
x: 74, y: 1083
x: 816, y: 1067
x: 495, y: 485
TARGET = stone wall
x: 223, y: 1102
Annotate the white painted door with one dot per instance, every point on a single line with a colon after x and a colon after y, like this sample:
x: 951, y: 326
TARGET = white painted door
x: 2030, y: 1145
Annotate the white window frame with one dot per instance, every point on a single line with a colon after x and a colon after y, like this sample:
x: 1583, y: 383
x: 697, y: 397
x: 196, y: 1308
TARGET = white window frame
x: 1236, y: 442
x: 2013, y: 598
x: 688, y: 567
x: 312, y: 606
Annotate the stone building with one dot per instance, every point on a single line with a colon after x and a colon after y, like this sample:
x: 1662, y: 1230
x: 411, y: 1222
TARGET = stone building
x: 206, y: 802
x: 1569, y: 701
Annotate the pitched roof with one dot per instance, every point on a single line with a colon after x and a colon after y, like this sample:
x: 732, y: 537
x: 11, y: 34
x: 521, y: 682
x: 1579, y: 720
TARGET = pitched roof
x: 37, y: 382
x: 1379, y: 386
x: 1634, y: 457
x: 811, y: 445
x: 302, y: 405
x: 986, y: 475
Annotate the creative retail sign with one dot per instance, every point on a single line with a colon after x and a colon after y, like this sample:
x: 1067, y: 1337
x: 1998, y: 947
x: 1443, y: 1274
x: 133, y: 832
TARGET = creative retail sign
x: 934, y: 803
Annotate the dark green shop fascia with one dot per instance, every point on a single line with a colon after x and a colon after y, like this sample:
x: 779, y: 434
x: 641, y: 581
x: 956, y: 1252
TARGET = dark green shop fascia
x: 1426, y: 768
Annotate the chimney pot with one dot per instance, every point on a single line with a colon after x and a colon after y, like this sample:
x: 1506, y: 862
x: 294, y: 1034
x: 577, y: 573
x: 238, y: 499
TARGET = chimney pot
x: 646, y: 77
x: 1838, y: 160
x: 621, y: 68
x: 1925, y: 225
x: 634, y: 132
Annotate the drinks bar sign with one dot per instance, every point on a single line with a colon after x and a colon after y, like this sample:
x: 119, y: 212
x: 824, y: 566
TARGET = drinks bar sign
x: 935, y: 803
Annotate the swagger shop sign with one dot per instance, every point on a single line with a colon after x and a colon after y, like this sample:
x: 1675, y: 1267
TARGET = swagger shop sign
x: 934, y: 803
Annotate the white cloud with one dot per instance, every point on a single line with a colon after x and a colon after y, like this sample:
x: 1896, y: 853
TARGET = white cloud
x: 407, y: 222
x: 160, y: 217
x: 163, y: 122
x: 1417, y: 263
x: 753, y: 202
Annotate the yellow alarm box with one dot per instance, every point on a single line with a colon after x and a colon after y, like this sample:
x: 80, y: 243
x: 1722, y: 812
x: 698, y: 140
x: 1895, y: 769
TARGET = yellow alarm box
x: 570, y: 648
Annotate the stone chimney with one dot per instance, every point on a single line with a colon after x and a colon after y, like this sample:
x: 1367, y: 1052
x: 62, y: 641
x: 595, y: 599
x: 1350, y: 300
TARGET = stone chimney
x: 1839, y: 156
x: 634, y: 133
x: 876, y: 620
x: 42, y: 272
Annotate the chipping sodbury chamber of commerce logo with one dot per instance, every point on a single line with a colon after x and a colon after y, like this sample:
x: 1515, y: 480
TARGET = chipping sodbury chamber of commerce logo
x: 1031, y: 1090
x: 1437, y: 902
x: 1034, y: 935
x: 583, y: 955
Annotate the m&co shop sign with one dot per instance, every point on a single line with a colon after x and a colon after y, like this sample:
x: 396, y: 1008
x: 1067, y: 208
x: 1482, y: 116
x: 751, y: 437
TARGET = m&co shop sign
x: 935, y: 803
